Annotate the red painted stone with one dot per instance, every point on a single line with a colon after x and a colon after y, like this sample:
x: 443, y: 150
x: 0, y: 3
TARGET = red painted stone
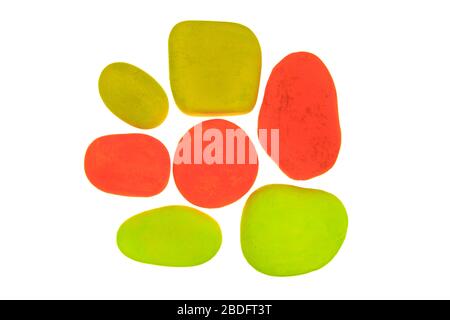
x: 206, y: 172
x: 134, y: 165
x: 300, y: 100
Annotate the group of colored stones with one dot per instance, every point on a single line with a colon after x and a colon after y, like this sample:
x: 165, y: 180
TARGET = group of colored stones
x: 215, y: 71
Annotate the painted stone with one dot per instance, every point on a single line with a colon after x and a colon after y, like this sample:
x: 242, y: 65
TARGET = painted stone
x: 135, y: 165
x: 215, y: 67
x: 175, y: 236
x: 287, y: 230
x: 215, y: 164
x: 133, y: 95
x: 300, y: 101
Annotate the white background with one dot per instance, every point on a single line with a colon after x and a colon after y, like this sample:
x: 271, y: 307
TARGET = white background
x: 391, y: 64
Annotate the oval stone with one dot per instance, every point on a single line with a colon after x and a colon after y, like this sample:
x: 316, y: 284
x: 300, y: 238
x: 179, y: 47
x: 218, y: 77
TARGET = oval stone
x: 133, y: 95
x: 175, y: 236
x: 215, y: 164
x: 287, y: 230
x: 135, y: 165
x: 300, y: 101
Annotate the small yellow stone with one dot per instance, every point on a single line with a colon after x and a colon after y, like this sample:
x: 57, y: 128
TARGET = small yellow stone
x: 133, y: 95
x: 215, y: 67
x: 174, y: 236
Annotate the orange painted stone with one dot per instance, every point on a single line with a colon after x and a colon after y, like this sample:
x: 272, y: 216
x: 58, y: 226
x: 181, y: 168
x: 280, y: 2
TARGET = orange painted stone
x: 215, y: 164
x: 135, y: 165
x: 300, y: 101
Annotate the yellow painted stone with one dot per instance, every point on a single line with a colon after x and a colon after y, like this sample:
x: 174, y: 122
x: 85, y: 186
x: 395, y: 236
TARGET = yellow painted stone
x: 174, y: 236
x: 133, y: 95
x: 215, y: 67
x: 287, y: 230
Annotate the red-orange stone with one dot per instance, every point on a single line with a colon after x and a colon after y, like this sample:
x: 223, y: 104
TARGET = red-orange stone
x: 207, y: 172
x: 134, y: 165
x: 300, y: 100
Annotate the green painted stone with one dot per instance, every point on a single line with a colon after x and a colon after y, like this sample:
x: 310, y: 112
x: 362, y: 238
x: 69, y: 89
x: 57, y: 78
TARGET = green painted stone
x: 287, y: 230
x: 133, y: 95
x: 175, y: 236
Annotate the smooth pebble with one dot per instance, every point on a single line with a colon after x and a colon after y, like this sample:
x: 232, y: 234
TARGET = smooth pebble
x: 176, y: 236
x: 215, y: 67
x: 134, y: 165
x: 133, y: 95
x: 215, y: 164
x: 300, y: 101
x: 287, y: 230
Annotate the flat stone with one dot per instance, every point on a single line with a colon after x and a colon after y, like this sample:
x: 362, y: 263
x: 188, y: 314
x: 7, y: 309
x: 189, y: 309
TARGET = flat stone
x: 133, y: 95
x: 215, y: 164
x: 214, y: 67
x: 287, y: 230
x: 135, y: 165
x: 176, y: 236
x: 300, y: 101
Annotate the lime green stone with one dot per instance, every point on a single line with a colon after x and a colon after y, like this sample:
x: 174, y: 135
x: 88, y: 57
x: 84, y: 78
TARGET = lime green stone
x: 287, y: 230
x: 175, y: 236
x: 133, y: 95
x: 215, y: 67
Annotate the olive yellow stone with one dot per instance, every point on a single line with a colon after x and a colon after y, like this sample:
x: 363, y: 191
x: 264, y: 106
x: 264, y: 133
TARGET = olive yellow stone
x: 133, y: 95
x: 176, y: 236
x: 287, y: 230
x: 214, y: 67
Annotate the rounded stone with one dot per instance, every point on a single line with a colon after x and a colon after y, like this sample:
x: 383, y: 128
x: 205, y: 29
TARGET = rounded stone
x: 300, y: 102
x: 215, y: 164
x: 133, y: 95
x: 175, y: 236
x: 215, y: 67
x: 287, y: 230
x: 135, y: 165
